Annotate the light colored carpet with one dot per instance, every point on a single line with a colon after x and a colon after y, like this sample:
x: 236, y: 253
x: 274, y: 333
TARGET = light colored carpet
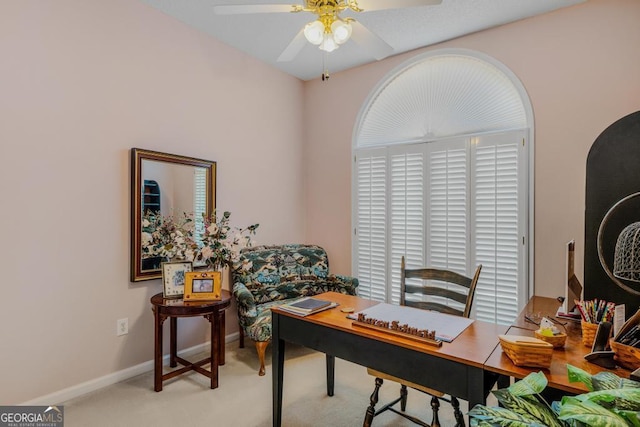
x: 244, y: 399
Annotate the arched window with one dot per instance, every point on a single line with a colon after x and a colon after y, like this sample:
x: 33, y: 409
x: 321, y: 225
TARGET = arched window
x: 441, y: 176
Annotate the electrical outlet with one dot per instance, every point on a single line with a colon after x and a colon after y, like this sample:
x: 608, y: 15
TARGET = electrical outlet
x: 122, y: 326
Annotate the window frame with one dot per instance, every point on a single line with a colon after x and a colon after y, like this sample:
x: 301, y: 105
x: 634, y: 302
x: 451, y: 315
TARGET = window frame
x: 528, y: 180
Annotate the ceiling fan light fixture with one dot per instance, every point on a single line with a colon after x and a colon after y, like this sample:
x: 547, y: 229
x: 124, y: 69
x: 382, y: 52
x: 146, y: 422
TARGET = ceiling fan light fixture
x: 314, y: 32
x: 328, y: 43
x: 341, y: 31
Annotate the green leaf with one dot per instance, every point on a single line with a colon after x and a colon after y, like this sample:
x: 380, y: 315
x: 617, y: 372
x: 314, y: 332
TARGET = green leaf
x: 534, y: 383
x: 528, y: 406
x: 589, y: 413
x: 576, y: 374
x: 605, y: 381
x: 632, y: 417
x: 502, y: 417
x: 629, y: 383
x: 623, y: 398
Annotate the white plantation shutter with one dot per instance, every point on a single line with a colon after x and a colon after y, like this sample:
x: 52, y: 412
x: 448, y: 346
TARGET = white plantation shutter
x: 407, y: 211
x: 448, y: 183
x: 199, y: 200
x: 447, y: 211
x: 371, y: 224
x: 499, y: 228
x: 449, y: 204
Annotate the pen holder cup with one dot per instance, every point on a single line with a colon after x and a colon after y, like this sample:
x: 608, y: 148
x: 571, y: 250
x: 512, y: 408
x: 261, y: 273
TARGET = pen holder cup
x: 588, y: 333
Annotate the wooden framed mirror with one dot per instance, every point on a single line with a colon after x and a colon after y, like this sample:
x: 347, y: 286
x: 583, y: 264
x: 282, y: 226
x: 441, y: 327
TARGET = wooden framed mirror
x: 167, y: 184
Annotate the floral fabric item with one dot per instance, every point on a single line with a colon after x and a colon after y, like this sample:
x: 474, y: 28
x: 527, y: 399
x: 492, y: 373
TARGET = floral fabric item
x: 267, y: 276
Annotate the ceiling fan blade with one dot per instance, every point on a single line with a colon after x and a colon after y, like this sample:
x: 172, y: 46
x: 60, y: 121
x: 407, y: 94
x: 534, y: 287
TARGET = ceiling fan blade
x: 234, y: 9
x: 371, y: 5
x: 294, y: 48
x: 364, y: 37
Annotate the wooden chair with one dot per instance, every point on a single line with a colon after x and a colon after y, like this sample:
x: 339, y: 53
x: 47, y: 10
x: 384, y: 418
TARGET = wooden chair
x: 463, y: 295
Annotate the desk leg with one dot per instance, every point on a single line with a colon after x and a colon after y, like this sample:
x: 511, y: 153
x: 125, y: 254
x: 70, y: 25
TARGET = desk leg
x: 277, y: 369
x: 215, y: 347
x: 221, y: 336
x: 173, y: 346
x: 331, y: 370
x: 504, y: 381
x: 157, y: 350
x: 478, y: 384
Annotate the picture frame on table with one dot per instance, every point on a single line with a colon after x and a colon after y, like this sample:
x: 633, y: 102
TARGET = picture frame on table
x: 173, y: 277
x: 202, y: 286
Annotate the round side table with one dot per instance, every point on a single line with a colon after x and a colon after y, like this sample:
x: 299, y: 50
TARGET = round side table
x: 173, y: 308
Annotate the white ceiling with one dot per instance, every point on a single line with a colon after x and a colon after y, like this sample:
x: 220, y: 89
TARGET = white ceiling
x: 265, y: 36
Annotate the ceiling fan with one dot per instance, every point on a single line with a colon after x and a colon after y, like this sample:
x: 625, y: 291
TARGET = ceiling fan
x: 329, y: 30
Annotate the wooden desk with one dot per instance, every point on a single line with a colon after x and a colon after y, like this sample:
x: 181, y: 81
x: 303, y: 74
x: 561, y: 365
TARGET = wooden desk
x: 572, y: 353
x: 173, y: 308
x: 455, y: 368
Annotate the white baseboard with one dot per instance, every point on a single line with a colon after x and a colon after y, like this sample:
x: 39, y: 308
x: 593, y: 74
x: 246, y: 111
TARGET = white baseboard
x: 61, y: 396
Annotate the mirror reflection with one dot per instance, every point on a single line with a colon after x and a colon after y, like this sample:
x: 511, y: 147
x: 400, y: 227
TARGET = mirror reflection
x: 165, y: 185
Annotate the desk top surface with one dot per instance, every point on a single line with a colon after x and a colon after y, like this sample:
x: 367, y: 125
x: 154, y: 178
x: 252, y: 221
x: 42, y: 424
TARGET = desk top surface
x: 572, y: 353
x: 472, y: 347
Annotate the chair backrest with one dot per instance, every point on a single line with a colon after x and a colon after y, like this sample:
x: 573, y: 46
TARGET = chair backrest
x: 463, y: 294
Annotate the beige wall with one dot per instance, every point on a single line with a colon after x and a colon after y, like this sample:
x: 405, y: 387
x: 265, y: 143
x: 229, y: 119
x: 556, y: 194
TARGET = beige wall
x: 579, y: 66
x: 81, y: 82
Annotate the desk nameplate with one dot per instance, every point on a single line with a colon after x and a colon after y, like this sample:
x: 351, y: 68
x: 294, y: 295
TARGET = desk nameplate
x: 429, y: 341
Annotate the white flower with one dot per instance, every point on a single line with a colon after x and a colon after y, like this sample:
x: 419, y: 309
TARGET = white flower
x: 146, y: 238
x: 213, y: 228
x: 207, y: 252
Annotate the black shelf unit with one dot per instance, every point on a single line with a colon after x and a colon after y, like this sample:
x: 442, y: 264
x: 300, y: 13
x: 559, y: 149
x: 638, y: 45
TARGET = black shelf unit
x: 150, y: 196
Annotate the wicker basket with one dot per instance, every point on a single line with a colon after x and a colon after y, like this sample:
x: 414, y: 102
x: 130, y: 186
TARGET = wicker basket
x: 626, y: 356
x: 589, y: 333
x: 527, y: 351
x: 557, y: 341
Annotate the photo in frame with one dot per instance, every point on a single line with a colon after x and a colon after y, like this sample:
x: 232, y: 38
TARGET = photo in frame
x: 202, y: 286
x: 173, y: 278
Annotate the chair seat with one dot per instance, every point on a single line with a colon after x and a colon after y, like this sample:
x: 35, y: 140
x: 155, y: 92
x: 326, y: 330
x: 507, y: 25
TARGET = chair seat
x: 380, y: 374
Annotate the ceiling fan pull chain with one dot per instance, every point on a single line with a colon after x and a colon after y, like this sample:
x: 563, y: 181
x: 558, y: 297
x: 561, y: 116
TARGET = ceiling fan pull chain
x: 325, y: 70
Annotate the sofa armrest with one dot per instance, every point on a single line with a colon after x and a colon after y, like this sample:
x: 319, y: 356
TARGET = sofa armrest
x: 246, y: 303
x: 343, y: 284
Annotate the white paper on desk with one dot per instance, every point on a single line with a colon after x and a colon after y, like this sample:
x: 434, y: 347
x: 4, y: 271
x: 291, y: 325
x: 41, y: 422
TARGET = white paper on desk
x: 447, y: 326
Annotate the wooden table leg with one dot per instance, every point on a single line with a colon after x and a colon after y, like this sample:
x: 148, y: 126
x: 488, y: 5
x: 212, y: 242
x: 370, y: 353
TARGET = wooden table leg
x: 157, y: 363
x: 173, y: 346
x: 221, y: 336
x: 215, y: 348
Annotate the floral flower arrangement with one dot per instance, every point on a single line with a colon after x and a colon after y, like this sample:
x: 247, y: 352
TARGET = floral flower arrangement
x: 218, y: 245
x: 221, y: 244
x: 167, y: 236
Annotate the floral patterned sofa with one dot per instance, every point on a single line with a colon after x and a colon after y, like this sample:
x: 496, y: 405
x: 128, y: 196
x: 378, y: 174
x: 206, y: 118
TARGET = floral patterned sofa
x: 267, y: 276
